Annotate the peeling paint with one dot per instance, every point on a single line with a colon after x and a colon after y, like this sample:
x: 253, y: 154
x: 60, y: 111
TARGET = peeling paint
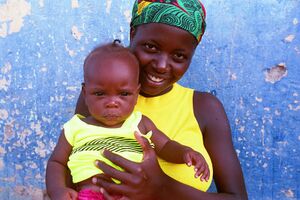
x: 3, y: 114
x: 108, y: 5
x: 294, y: 108
x: 43, y: 69
x: 3, y: 30
x: 37, y: 128
x: 295, y: 21
x: 276, y: 73
x: 297, y: 50
x: 265, y: 165
x: 242, y: 129
x: 21, y: 142
x: 73, y: 88
x: 4, y: 84
x: 75, y: 4
x: 76, y: 34
x: 2, y: 151
x: 295, y: 94
x: 1, y: 164
x: 41, y: 3
x: 288, y: 193
x: 233, y: 76
x: 34, y: 193
x: 289, y: 38
x: 8, y: 179
x: 258, y: 99
x: 8, y: 133
x: 71, y: 52
x: 46, y: 119
x: 127, y: 14
x: 40, y: 149
x: 277, y: 113
x: 18, y: 167
x: 11, y: 16
x: 6, y: 68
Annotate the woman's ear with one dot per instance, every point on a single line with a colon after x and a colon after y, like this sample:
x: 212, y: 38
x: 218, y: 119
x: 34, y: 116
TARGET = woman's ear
x: 132, y: 32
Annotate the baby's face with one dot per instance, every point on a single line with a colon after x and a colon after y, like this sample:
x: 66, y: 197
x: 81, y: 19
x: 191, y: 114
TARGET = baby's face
x: 111, y: 89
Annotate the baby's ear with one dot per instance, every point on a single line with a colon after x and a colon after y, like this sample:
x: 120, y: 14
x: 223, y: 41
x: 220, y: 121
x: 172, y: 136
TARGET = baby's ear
x: 83, y: 88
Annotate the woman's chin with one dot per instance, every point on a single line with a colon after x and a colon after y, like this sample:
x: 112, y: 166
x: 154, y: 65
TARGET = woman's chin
x: 154, y: 90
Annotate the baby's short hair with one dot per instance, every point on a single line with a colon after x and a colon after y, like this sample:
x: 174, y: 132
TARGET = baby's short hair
x: 110, y: 48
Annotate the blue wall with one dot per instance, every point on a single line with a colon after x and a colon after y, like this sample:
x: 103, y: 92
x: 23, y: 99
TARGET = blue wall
x: 249, y: 58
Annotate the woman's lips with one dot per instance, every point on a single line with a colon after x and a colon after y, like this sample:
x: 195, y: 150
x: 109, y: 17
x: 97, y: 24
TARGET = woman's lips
x: 154, y: 78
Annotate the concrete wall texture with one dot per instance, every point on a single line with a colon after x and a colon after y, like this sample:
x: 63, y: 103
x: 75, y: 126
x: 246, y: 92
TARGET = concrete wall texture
x: 249, y: 58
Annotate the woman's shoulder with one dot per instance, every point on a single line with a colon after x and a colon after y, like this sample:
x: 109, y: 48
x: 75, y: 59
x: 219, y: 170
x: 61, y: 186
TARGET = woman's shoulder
x: 207, y: 107
x: 206, y: 99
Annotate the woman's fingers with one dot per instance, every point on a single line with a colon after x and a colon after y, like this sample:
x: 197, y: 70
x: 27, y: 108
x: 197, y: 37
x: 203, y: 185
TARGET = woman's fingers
x: 114, y: 173
x: 118, y: 160
x: 149, y: 152
x: 106, y: 195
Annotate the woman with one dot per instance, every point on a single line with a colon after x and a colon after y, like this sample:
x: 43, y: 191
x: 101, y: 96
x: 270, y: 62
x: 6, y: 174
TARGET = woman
x: 164, y: 35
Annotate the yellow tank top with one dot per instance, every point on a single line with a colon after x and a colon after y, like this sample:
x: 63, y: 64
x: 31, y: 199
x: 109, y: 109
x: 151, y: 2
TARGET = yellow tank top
x: 173, y: 114
x: 88, y: 141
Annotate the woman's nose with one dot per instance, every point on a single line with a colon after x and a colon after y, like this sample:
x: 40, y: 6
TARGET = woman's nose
x: 162, y: 63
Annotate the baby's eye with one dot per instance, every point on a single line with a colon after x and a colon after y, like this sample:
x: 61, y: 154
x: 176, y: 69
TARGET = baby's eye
x: 98, y: 93
x: 125, y: 94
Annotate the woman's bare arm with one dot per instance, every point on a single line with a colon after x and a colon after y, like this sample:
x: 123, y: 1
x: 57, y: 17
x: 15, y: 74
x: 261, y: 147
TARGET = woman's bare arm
x: 217, y: 139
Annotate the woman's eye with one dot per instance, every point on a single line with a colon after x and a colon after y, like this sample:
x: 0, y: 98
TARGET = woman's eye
x: 179, y: 56
x: 150, y: 47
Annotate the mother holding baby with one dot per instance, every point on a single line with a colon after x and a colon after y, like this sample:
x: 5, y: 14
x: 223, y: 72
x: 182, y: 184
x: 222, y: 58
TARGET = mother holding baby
x: 164, y: 35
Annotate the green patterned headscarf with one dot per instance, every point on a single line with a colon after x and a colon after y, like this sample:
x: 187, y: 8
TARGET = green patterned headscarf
x: 188, y: 15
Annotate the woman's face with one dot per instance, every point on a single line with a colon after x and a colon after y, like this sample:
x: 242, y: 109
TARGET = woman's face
x: 164, y: 53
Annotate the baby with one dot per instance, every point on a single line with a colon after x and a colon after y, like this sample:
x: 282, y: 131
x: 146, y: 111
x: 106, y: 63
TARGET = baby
x: 111, y: 87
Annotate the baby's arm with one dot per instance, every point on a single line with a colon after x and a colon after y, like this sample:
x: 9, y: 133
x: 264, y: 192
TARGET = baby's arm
x: 174, y: 152
x: 57, y: 170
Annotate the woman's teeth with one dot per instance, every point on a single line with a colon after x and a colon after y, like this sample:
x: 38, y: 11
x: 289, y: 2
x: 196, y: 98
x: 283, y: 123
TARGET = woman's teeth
x: 154, y: 79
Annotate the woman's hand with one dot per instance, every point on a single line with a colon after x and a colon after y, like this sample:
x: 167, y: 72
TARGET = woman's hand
x: 139, y: 181
x: 64, y: 194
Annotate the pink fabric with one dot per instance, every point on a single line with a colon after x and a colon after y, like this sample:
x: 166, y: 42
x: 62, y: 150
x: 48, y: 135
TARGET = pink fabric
x: 87, y: 194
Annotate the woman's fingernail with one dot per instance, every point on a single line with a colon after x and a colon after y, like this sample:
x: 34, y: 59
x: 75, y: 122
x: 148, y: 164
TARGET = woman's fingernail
x: 94, y: 180
x: 97, y: 162
x: 102, y: 190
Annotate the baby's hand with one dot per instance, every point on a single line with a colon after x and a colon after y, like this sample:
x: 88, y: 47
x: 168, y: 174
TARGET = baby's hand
x: 194, y: 158
x: 65, y: 194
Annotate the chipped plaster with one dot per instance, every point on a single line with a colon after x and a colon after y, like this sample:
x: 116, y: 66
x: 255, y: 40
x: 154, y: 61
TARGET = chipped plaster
x: 276, y: 73
x: 11, y: 16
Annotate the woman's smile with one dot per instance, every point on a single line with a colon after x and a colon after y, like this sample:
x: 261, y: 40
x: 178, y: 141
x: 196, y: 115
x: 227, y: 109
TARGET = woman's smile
x: 154, y: 78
